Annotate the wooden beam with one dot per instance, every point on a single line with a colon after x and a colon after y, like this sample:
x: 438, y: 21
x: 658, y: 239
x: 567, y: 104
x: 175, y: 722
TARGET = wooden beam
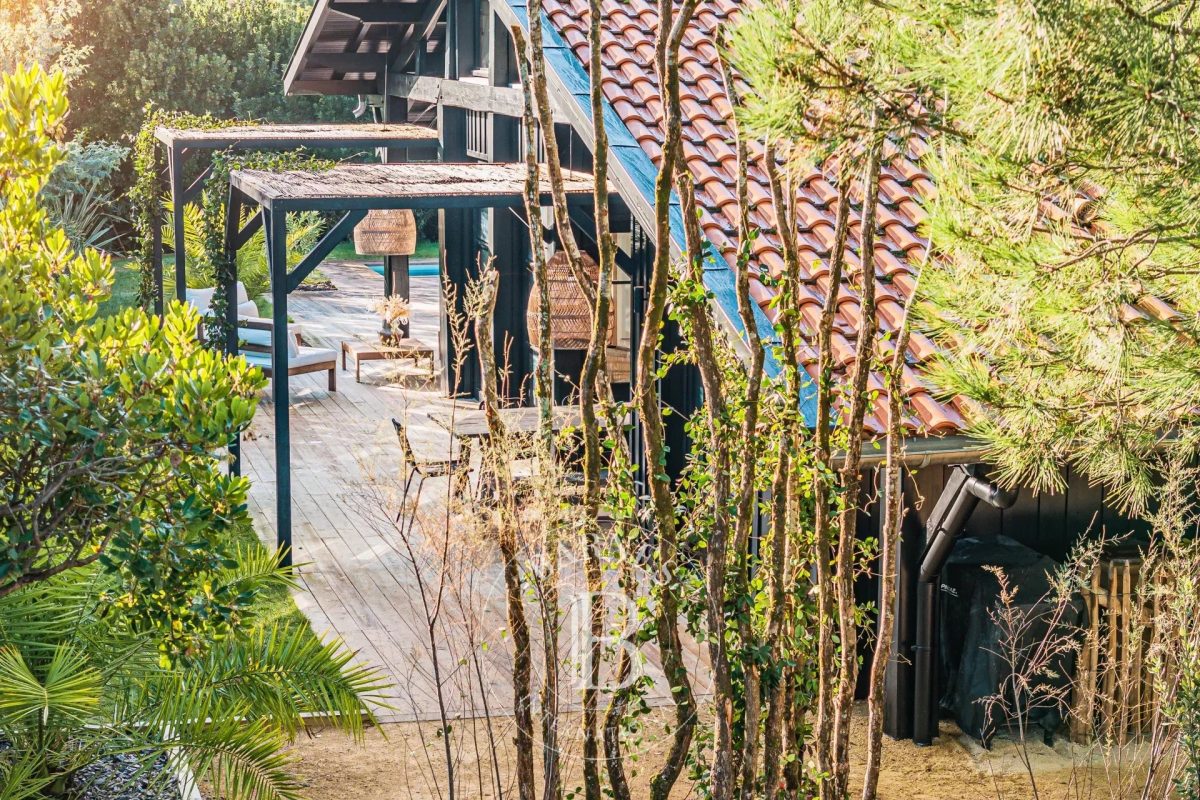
x: 233, y: 217
x: 197, y: 185
x: 175, y: 164
x: 458, y: 94
x: 247, y: 232
x: 276, y: 226
x: 332, y: 238
x: 381, y: 13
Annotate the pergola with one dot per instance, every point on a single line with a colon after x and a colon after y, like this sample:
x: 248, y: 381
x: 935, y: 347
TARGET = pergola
x: 182, y: 143
x: 352, y: 190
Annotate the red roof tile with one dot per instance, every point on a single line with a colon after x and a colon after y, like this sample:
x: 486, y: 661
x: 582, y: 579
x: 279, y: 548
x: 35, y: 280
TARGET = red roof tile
x: 631, y: 85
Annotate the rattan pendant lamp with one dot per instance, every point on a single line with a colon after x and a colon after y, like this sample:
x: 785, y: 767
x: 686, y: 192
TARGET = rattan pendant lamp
x: 387, y: 232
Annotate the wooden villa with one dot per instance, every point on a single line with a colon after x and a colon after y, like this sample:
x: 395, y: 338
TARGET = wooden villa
x: 442, y: 78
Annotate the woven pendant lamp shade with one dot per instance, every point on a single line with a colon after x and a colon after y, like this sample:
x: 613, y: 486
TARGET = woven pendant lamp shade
x: 570, y: 314
x: 386, y: 232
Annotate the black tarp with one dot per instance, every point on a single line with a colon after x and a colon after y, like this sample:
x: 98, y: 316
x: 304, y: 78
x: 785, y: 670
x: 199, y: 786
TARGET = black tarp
x: 975, y: 651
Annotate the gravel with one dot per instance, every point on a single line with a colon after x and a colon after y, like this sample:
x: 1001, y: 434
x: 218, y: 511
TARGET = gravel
x: 122, y: 777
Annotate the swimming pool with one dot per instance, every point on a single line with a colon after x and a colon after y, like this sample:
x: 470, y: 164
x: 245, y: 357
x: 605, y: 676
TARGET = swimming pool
x: 425, y: 268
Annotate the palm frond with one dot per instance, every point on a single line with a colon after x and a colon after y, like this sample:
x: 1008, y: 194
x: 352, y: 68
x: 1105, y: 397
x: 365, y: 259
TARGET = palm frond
x: 242, y: 761
x: 20, y: 777
x: 69, y: 686
x: 278, y: 674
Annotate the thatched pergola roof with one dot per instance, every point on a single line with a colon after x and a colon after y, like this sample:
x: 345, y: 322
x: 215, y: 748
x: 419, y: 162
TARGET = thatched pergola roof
x: 287, y: 137
x: 409, y: 185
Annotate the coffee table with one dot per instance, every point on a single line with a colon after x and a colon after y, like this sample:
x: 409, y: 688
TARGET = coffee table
x: 378, y: 351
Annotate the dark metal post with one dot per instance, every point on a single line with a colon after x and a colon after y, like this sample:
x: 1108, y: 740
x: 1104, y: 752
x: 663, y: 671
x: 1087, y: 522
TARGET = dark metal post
x: 395, y: 268
x: 176, y: 158
x: 233, y: 218
x: 898, y: 681
x: 276, y: 228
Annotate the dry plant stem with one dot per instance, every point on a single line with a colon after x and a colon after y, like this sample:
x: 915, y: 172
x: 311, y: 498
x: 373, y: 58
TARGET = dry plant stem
x: 544, y: 390
x: 851, y: 477
x: 484, y: 310
x: 893, y: 520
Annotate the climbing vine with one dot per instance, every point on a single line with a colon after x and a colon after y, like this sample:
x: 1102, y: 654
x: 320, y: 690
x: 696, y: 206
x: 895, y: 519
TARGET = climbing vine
x: 145, y: 194
x: 212, y: 205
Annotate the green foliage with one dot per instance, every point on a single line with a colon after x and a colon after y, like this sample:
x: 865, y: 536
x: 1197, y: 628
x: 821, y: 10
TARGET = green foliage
x: 1066, y: 213
x: 39, y: 32
x: 132, y: 619
x: 108, y: 427
x: 220, y: 57
x: 79, y: 683
x: 84, y: 218
x: 85, y: 166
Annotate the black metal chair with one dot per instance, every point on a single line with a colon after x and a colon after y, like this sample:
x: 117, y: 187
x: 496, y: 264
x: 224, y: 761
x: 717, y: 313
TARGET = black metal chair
x: 457, y: 468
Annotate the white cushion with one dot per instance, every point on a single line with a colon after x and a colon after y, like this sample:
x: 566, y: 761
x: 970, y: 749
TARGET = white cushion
x: 200, y: 298
x: 305, y: 356
x: 261, y: 338
x: 254, y: 337
x: 311, y: 355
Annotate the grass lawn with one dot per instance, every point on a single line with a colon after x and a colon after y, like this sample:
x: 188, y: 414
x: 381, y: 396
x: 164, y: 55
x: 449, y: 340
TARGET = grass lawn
x: 274, y: 605
x: 345, y: 252
x: 125, y: 289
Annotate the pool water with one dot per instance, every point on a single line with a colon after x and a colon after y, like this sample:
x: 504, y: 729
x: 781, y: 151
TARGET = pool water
x: 417, y: 269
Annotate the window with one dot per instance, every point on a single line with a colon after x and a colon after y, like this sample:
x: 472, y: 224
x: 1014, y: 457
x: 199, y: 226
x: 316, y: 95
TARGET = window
x: 483, y: 31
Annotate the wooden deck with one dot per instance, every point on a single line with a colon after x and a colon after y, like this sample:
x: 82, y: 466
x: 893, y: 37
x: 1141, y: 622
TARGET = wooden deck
x: 357, y: 574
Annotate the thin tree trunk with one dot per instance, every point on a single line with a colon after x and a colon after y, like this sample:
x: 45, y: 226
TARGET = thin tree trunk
x: 703, y: 345
x: 484, y: 310
x: 780, y: 588
x: 667, y: 41
x: 750, y: 448
x: 850, y: 475
x: 893, y: 520
x: 592, y: 453
x: 544, y: 392
x: 823, y: 493
x: 619, y: 704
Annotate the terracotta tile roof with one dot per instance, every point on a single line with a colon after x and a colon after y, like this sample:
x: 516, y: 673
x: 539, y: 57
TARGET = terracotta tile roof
x: 630, y: 84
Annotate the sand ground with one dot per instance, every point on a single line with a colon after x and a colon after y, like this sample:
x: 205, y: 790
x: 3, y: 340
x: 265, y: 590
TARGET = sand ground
x: 405, y: 761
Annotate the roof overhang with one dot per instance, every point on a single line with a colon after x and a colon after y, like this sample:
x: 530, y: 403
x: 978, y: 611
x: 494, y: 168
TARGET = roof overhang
x: 349, y: 46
